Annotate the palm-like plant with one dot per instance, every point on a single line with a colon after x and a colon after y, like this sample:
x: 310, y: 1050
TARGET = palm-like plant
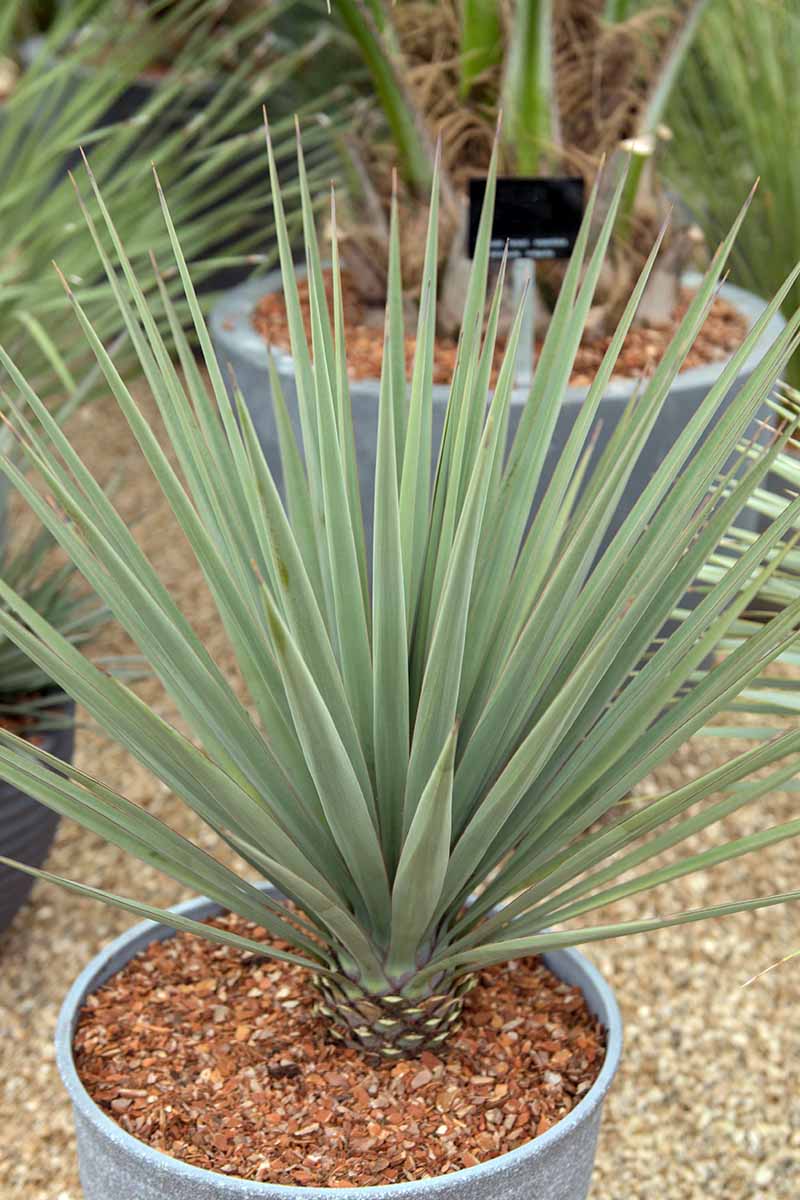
x: 419, y: 766
x: 196, y: 124
x: 746, y: 49
x: 577, y: 81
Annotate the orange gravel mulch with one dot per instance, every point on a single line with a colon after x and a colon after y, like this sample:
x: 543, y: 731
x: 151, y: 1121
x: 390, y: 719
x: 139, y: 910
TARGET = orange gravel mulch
x: 216, y: 1058
x: 721, y: 334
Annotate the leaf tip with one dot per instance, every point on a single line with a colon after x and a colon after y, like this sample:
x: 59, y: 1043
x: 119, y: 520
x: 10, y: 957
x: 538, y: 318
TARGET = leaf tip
x: 64, y: 281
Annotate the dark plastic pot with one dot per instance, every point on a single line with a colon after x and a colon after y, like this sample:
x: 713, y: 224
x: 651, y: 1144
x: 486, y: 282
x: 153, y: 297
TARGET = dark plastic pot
x: 27, y: 828
x: 237, y: 343
x: 556, y: 1166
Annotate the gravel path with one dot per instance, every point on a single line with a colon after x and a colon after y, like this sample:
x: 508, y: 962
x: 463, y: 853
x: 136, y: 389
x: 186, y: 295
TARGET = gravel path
x: 707, y: 1104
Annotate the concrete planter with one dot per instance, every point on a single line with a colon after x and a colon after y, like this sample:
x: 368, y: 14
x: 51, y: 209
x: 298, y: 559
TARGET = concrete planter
x: 237, y: 343
x: 555, y: 1166
x: 27, y: 828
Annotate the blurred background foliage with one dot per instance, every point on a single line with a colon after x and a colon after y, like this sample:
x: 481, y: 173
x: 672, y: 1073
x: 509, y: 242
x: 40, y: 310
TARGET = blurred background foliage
x: 735, y: 118
x: 175, y: 84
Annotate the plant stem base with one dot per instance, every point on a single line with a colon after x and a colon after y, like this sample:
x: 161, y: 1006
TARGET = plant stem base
x: 391, y: 1026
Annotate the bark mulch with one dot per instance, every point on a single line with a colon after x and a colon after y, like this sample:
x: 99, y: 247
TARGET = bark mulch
x: 217, y: 1058
x: 722, y: 333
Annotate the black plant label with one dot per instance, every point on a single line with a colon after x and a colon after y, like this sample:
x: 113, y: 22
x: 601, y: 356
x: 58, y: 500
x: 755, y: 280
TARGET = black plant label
x: 537, y: 218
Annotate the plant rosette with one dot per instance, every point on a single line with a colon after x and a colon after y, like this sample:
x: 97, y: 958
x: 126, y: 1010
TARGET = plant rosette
x: 556, y: 1165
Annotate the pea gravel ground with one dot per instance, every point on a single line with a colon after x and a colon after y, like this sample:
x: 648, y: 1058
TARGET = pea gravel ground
x: 707, y: 1103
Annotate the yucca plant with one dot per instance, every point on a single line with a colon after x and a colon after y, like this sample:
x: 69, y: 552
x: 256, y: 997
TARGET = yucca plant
x: 734, y: 114
x: 418, y: 765
x: 196, y: 123
x: 577, y: 81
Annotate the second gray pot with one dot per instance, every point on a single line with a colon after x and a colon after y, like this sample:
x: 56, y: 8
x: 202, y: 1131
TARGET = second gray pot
x: 113, y: 1164
x: 237, y: 343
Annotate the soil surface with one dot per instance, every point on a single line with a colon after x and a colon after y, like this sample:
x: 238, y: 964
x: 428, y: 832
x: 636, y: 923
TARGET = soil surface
x: 217, y: 1058
x: 722, y: 333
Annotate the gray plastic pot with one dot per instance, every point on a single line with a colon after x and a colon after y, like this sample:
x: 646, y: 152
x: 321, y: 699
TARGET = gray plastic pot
x: 555, y: 1166
x: 237, y: 343
x: 27, y: 828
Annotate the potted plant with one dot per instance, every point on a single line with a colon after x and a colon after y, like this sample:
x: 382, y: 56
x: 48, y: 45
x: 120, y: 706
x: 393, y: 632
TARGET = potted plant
x: 34, y: 709
x: 576, y: 81
x: 414, y: 769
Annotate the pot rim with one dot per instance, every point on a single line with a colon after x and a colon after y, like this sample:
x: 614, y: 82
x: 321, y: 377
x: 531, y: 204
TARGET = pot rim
x: 230, y: 327
x: 87, y: 982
